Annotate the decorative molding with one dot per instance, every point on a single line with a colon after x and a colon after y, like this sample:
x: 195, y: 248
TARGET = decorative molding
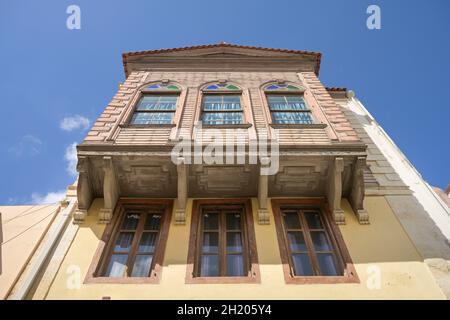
x: 84, y: 190
x: 357, y: 191
x: 222, y: 178
x: 298, y: 126
x: 296, y: 179
x: 111, y: 191
x: 263, y: 191
x: 182, y: 191
x: 140, y: 179
x: 334, y: 190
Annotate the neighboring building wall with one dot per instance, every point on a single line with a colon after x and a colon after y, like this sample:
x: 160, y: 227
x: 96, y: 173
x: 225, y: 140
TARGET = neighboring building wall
x: 422, y: 213
x: 383, y: 244
x: 23, y: 229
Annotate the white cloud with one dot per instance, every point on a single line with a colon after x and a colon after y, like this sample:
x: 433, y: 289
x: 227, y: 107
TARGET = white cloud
x: 71, y: 157
x: 28, y: 145
x: 74, y: 123
x: 51, y: 197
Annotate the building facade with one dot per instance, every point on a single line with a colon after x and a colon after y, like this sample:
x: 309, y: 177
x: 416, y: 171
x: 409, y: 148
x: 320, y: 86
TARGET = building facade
x: 228, y: 171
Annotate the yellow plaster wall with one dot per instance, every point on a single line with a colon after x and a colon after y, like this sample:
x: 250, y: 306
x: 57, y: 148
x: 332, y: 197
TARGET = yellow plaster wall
x: 383, y: 245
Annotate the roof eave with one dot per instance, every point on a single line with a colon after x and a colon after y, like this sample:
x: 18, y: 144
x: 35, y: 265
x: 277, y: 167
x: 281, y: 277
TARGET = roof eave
x: 126, y: 55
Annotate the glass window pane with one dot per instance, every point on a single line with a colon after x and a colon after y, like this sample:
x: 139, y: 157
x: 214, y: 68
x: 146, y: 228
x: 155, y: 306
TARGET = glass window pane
x: 152, y: 222
x: 172, y: 99
x: 131, y: 221
x: 235, y: 265
x: 302, y: 265
x: 320, y: 241
x: 286, y: 103
x: 276, y: 100
x: 123, y: 242
x: 210, y: 242
x: 209, y: 266
x: 291, y: 220
x: 295, y: 103
x: 272, y: 87
x: 221, y: 102
x: 296, y: 241
x: 292, y: 118
x: 117, y: 266
x: 217, y: 118
x: 157, y: 103
x: 214, y: 98
x: 141, y: 266
x: 327, y: 264
x: 152, y: 118
x: 233, y: 221
x: 211, y: 221
x: 234, y: 242
x: 147, y: 242
x: 231, y: 99
x: 313, y: 219
x: 147, y: 103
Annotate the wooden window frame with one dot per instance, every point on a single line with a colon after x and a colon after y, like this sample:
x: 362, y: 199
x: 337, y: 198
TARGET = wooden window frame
x: 317, y: 115
x: 249, y: 243
x: 225, y: 125
x: 340, y: 250
x: 144, y: 93
x: 127, y: 115
x: 103, y: 252
x: 315, y: 123
x: 247, y: 114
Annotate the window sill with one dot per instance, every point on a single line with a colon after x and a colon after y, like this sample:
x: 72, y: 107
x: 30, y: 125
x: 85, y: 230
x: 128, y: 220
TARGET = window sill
x: 321, y: 279
x: 147, y: 126
x: 298, y: 126
x: 134, y: 280
x: 222, y: 280
x: 227, y: 126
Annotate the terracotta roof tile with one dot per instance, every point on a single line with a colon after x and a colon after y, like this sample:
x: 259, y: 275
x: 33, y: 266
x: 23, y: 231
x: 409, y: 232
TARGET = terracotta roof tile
x: 336, y: 89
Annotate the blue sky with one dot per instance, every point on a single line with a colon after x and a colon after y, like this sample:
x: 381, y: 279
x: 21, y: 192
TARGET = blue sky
x: 49, y: 73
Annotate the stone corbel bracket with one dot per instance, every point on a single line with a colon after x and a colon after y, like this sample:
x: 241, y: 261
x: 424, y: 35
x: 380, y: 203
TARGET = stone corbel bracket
x: 111, y: 191
x: 357, y: 191
x: 263, y: 191
x: 182, y: 170
x: 334, y: 190
x: 84, y: 190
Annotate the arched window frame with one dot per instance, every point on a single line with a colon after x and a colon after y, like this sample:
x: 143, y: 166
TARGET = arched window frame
x: 147, y: 89
x: 247, y: 115
x: 294, y: 89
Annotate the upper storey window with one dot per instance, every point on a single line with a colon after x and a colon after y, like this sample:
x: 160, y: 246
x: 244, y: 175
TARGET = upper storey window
x: 222, y: 105
x: 157, y: 105
x: 287, y: 105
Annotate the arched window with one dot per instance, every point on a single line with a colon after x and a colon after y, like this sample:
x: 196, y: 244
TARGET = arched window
x: 281, y: 87
x: 221, y: 104
x: 157, y: 104
x: 286, y: 104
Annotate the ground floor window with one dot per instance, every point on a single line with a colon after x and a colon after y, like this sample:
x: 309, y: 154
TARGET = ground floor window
x: 222, y: 244
x: 133, y: 244
x: 311, y: 246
